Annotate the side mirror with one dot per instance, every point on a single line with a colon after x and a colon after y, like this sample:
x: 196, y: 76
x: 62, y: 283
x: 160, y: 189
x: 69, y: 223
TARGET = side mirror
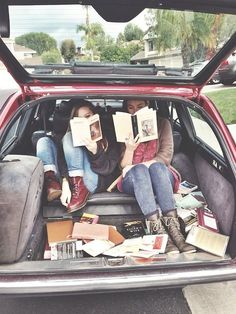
x: 4, y: 20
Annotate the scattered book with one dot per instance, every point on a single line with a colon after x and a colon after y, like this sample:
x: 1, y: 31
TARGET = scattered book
x: 89, y: 218
x: 142, y: 123
x: 133, y: 229
x: 90, y: 231
x: 188, y: 201
x: 59, y: 231
x: 207, y: 219
x: 156, y: 243
x: 115, y: 236
x: 97, y: 247
x: 186, y: 187
x: 188, y: 216
x: 65, y: 250
x: 212, y: 242
x: 85, y: 128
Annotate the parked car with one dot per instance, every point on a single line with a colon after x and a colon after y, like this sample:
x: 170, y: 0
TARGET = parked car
x: 204, y: 150
x: 198, y: 65
x: 227, y: 70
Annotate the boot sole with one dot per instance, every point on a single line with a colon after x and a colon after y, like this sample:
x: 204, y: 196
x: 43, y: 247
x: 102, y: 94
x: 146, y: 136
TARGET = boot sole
x: 54, y: 195
x: 69, y: 211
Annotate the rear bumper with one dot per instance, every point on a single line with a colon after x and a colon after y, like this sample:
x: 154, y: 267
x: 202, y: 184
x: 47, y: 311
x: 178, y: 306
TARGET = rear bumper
x: 110, y: 281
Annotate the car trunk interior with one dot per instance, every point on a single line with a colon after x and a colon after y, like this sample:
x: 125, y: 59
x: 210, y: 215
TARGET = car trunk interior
x: 26, y: 231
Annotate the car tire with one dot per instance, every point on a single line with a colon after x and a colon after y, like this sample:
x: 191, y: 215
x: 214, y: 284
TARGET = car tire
x: 215, y: 81
x: 227, y: 82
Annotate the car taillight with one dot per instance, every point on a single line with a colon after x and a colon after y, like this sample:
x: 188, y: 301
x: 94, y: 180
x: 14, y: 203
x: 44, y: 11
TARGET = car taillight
x: 224, y: 64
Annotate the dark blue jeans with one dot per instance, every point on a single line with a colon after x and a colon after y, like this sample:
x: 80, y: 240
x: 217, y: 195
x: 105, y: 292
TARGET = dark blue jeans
x: 150, y: 186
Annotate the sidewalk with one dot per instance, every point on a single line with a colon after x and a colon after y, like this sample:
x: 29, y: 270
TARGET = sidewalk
x: 213, y: 298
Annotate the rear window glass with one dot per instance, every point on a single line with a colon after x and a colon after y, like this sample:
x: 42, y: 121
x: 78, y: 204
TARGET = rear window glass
x: 54, y: 40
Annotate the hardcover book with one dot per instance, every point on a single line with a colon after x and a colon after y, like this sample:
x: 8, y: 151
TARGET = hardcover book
x: 208, y: 240
x: 142, y: 123
x: 207, y: 219
x: 59, y: 231
x: 82, y: 128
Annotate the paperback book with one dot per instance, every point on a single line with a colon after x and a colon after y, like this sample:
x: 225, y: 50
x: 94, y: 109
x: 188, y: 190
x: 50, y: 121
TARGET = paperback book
x: 142, y: 123
x: 89, y: 218
x: 186, y: 187
x: 82, y: 128
x: 207, y: 240
x: 207, y: 219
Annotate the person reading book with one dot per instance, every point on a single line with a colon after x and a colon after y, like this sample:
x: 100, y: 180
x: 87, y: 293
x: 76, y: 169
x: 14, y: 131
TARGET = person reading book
x: 148, y: 176
x: 91, y: 167
x: 71, y: 173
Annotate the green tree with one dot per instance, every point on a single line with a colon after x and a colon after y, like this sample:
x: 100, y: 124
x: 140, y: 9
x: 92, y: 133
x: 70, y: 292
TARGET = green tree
x: 118, y: 53
x: 52, y: 56
x: 93, y: 34
x: 186, y: 30
x: 68, y: 49
x: 133, y: 32
x: 40, y: 42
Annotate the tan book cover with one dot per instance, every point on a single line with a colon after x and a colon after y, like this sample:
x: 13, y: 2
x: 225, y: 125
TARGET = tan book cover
x: 115, y: 236
x: 208, y: 240
x: 82, y: 128
x: 90, y: 231
x: 59, y: 231
x: 142, y: 123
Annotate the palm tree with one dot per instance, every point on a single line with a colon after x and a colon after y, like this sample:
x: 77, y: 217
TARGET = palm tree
x: 186, y: 30
x: 92, y: 34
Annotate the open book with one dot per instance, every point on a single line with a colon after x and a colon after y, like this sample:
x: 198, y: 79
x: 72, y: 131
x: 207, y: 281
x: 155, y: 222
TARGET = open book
x: 143, y: 122
x: 85, y: 128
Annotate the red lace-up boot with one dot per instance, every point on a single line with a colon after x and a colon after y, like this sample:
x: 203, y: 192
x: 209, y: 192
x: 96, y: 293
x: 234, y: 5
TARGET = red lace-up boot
x: 53, y: 187
x: 79, y: 195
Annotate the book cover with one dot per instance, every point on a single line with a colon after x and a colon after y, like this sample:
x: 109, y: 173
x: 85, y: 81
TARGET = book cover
x: 186, y: 187
x: 90, y: 231
x: 155, y: 243
x: 82, y: 128
x: 59, y: 231
x: 207, y: 240
x: 207, y: 219
x: 133, y: 229
x: 89, y: 218
x: 142, y: 123
x: 115, y: 236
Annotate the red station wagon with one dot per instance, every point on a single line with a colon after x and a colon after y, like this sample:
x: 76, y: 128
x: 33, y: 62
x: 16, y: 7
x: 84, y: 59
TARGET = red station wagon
x: 107, y: 52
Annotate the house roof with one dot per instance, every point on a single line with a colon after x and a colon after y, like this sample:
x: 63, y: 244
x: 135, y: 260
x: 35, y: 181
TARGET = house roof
x: 19, y: 48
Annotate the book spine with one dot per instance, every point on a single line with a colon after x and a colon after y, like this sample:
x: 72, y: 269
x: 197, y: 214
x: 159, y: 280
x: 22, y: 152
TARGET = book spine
x: 134, y: 125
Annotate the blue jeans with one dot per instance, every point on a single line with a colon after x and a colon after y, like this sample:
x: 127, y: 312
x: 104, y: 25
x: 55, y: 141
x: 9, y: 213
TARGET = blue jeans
x: 150, y: 186
x: 78, y: 163
x: 46, y: 150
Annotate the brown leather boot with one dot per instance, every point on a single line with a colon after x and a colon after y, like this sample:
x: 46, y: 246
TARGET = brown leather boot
x: 156, y: 227
x: 173, y: 228
x: 53, y: 187
x: 79, y: 195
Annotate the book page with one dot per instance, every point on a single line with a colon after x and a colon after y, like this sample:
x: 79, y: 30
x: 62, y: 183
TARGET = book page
x: 123, y: 126
x: 85, y: 128
x: 147, y: 125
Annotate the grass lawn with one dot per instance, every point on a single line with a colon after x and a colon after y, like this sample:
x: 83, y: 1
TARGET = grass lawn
x: 225, y: 101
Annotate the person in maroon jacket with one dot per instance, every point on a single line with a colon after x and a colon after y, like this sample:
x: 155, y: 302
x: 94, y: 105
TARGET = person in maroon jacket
x: 148, y: 175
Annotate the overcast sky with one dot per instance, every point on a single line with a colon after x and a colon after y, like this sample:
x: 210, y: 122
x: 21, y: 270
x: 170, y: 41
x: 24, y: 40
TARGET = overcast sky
x: 60, y: 21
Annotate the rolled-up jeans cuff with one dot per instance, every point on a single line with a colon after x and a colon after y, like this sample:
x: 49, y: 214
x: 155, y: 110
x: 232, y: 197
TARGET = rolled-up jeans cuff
x: 76, y: 173
x: 50, y: 168
x: 152, y: 213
